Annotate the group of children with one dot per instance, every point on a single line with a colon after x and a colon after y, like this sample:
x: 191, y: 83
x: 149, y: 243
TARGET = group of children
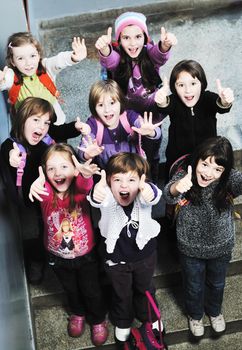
x: 116, y: 170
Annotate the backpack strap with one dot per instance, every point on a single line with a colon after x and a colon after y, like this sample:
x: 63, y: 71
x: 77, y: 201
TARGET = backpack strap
x: 48, y: 140
x: 14, y: 91
x: 126, y: 125
x: 100, y: 131
x: 177, y: 165
x: 20, y: 169
x: 46, y: 80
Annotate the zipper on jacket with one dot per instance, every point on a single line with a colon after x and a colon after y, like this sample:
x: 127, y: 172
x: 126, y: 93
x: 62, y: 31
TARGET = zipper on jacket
x: 192, y: 113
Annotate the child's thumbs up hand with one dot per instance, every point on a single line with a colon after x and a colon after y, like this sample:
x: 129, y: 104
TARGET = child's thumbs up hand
x: 83, y: 128
x: 185, y: 183
x: 162, y: 93
x: 103, y: 42
x: 99, y: 192
x: 3, y: 73
x: 167, y: 40
x: 38, y: 187
x: 146, y: 190
x: 226, y: 94
x: 15, y: 156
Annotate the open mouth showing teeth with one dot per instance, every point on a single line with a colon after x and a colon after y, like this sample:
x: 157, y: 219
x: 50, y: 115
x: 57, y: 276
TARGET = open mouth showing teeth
x: 204, y: 178
x: 60, y: 181
x: 124, y: 195
x: 36, y: 135
x: 189, y: 98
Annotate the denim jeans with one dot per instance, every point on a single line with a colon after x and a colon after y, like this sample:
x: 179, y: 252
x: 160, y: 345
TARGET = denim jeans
x: 203, y: 283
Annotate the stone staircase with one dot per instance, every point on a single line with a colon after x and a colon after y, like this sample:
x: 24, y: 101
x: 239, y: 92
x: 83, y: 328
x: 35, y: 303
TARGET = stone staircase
x: 49, y: 312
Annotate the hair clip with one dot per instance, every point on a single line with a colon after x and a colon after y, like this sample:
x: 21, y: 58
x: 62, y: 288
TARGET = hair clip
x: 10, y: 45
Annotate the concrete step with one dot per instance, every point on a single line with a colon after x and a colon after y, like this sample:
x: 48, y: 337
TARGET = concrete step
x: 226, y: 342
x: 51, y: 322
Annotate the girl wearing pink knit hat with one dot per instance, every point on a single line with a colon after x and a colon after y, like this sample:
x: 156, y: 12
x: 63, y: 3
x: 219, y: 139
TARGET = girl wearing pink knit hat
x: 134, y: 62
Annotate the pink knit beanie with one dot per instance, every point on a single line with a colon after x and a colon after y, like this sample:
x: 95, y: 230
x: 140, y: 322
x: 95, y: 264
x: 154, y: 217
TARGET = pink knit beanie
x: 129, y: 18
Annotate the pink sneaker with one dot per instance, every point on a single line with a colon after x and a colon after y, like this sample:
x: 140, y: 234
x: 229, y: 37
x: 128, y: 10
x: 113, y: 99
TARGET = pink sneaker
x: 99, y: 333
x: 76, y: 326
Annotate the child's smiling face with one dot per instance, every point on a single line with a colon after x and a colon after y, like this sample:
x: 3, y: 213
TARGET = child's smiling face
x: 36, y: 127
x: 208, y: 171
x: 26, y: 59
x: 108, y: 110
x: 132, y: 39
x: 188, y: 88
x: 125, y: 187
x: 60, y: 171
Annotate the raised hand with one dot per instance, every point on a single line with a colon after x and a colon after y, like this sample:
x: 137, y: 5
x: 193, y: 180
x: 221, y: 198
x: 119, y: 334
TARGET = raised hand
x: 162, y: 93
x: 79, y: 49
x: 37, y: 188
x: 83, y: 128
x: 15, y: 156
x: 100, y: 189
x: 86, y: 169
x: 226, y: 94
x: 167, y: 40
x: 146, y: 127
x: 146, y: 190
x: 103, y: 42
x: 185, y: 183
x: 3, y: 73
x: 91, y: 148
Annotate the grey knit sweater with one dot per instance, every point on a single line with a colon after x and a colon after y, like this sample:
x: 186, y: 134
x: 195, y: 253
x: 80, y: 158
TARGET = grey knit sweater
x: 203, y: 232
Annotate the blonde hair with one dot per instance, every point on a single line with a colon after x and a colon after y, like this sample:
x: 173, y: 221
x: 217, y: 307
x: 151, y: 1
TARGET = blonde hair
x: 105, y: 87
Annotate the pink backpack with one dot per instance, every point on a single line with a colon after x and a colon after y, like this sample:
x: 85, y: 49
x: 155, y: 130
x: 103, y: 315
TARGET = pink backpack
x: 125, y: 123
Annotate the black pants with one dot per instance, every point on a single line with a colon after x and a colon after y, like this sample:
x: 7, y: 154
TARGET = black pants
x: 129, y: 282
x: 152, y: 151
x: 80, y: 280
